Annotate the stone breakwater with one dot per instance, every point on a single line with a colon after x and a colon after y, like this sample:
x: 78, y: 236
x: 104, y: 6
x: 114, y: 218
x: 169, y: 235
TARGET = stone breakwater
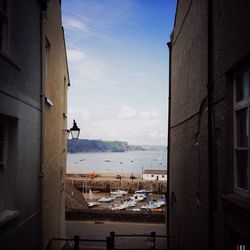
x: 109, y: 215
x: 106, y: 184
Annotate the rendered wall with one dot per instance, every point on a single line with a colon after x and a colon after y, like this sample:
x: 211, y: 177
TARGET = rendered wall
x: 188, y: 137
x: 20, y: 104
x: 54, y: 158
x: 231, y: 52
x: 188, y: 147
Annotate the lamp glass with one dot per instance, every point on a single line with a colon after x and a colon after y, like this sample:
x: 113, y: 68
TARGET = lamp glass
x: 75, y: 134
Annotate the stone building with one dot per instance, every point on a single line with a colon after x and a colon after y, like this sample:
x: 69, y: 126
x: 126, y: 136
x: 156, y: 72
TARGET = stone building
x: 209, y: 170
x: 33, y: 76
x: 154, y: 175
x: 54, y: 112
x: 54, y: 122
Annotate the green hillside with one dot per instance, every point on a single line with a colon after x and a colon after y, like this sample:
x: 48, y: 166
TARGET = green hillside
x: 83, y: 145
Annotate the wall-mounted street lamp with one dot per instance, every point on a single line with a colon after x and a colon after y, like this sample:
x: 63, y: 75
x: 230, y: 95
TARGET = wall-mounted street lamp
x: 74, y: 131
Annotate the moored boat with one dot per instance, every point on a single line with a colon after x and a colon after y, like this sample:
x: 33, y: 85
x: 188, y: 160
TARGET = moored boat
x: 119, y: 192
x: 93, y: 204
x: 143, y: 191
x: 106, y: 199
x: 138, y: 197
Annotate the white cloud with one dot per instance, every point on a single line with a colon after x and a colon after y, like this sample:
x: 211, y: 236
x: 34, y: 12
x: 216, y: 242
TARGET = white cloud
x: 145, y: 114
x: 134, y: 130
x: 155, y: 113
x: 87, y: 71
x: 149, y: 114
x: 127, y: 112
x: 74, y: 55
x: 82, y: 113
x: 74, y: 24
x: 128, y: 125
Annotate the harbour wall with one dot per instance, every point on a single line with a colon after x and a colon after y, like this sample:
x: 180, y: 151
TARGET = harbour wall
x: 107, y: 184
x: 109, y: 215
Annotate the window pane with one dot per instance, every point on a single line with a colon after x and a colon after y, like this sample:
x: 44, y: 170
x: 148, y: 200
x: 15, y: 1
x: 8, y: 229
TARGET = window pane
x: 1, y: 132
x: 1, y: 152
x: 3, y: 5
x: 1, y: 33
x: 1, y: 185
x: 242, y: 128
x: 242, y: 86
x: 242, y: 166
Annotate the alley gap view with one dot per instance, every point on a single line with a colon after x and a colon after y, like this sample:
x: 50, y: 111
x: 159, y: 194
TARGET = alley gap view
x: 124, y: 124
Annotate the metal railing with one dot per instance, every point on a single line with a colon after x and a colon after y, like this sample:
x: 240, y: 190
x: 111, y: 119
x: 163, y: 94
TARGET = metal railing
x: 150, y: 238
x: 111, y: 242
x: 72, y: 243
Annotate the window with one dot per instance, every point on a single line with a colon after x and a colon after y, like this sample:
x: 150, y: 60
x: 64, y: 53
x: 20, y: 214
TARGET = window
x: 4, y: 20
x: 8, y: 161
x: 2, y: 146
x: 241, y: 133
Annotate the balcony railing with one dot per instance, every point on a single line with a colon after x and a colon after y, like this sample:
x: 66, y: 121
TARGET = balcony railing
x: 112, y: 242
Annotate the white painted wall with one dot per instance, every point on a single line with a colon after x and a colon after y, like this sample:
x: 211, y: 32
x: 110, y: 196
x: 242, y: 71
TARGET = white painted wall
x: 153, y: 177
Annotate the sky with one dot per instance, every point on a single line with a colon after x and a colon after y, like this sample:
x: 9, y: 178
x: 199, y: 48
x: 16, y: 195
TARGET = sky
x: 118, y: 66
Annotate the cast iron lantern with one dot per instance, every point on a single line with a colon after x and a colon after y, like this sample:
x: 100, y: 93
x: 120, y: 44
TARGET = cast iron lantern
x: 75, y: 131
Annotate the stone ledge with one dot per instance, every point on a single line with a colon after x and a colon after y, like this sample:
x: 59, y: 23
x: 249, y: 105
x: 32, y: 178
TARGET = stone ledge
x: 8, y: 215
x: 238, y: 201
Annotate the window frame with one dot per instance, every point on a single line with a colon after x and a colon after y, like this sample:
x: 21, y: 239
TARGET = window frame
x: 5, y: 16
x: 237, y: 106
x: 4, y: 163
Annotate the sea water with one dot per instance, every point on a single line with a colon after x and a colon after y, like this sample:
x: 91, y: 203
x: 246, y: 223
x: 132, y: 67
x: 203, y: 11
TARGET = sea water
x: 130, y: 162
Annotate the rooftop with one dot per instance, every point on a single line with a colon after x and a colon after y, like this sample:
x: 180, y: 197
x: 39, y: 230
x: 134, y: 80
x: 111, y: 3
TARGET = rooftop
x: 155, y: 171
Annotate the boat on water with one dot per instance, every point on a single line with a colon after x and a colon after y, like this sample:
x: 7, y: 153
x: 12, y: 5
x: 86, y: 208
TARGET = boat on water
x: 91, y: 197
x: 121, y: 206
x: 161, y: 203
x: 138, y: 197
x: 143, y: 191
x: 154, y: 204
x: 130, y: 203
x: 119, y: 192
x: 150, y: 205
x: 105, y: 199
x: 107, y: 160
x: 93, y: 204
x: 116, y: 196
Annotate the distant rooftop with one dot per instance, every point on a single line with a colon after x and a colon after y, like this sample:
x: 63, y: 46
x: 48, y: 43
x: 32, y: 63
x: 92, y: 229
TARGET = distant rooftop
x: 155, y: 171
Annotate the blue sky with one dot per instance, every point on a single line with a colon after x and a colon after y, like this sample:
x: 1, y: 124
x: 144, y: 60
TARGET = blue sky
x: 118, y: 64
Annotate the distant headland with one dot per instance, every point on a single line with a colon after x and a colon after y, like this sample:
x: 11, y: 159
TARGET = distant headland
x: 84, y: 145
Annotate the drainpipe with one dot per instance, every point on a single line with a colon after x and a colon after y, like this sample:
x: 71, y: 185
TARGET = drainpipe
x: 210, y: 86
x: 42, y: 95
x: 168, y: 152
